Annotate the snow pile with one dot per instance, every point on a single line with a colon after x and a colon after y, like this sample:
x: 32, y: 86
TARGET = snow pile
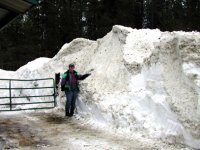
x: 143, y: 83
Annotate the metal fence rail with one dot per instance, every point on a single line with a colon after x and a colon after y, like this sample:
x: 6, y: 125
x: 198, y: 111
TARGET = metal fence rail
x: 10, y: 97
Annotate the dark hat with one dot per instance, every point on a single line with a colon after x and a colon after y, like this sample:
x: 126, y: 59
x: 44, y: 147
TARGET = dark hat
x: 71, y: 65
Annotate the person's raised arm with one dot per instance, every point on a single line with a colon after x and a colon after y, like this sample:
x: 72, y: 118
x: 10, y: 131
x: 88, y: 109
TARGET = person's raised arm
x: 83, y: 77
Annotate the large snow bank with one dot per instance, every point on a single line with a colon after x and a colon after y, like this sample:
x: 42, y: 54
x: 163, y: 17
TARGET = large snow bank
x: 143, y: 83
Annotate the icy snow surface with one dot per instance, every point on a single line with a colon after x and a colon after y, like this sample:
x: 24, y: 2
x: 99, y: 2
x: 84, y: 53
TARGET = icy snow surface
x: 143, y: 83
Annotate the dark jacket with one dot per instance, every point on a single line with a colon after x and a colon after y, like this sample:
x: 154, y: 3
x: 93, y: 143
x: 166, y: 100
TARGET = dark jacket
x: 66, y: 83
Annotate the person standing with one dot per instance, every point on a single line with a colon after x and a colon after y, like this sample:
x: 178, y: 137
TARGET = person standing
x: 70, y: 85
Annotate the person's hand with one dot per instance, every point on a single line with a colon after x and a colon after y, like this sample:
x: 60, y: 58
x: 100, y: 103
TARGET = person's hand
x: 88, y: 74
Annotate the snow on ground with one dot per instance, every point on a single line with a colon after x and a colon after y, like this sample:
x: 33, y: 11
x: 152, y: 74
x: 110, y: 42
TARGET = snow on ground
x: 143, y: 83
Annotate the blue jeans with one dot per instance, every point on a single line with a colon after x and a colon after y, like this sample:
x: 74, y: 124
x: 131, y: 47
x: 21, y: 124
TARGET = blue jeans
x: 71, y: 101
